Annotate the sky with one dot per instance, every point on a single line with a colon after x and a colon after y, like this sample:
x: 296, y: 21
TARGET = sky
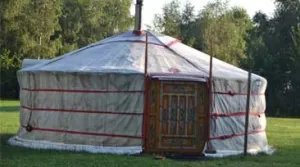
x: 152, y: 7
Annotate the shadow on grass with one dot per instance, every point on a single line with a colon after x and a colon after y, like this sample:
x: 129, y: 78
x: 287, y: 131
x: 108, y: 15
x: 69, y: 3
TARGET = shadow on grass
x: 9, y: 108
x: 189, y: 158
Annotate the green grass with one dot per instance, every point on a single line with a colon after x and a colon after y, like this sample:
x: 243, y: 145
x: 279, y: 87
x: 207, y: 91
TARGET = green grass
x: 283, y: 134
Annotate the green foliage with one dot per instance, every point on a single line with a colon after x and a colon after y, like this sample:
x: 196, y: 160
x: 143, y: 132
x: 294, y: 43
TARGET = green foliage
x: 273, y: 47
x: 187, y: 25
x: 224, y: 31
x: 41, y: 20
x: 86, y: 21
x: 44, y: 29
x: 170, y: 19
x: 217, y: 29
x: 8, y: 63
x: 10, y: 45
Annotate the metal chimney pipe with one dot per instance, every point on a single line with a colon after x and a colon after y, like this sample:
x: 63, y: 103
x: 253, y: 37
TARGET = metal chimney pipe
x: 138, y: 15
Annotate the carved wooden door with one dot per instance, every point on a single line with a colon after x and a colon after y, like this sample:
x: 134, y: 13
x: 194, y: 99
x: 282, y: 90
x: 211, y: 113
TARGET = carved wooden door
x: 177, y: 117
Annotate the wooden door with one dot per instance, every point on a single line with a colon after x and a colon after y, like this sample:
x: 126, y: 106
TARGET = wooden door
x: 176, y: 117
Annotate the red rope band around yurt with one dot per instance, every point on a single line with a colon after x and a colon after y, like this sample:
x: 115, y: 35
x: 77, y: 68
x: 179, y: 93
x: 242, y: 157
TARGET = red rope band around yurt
x: 236, y: 114
x: 84, y: 133
x: 234, y: 93
x: 80, y: 91
x: 235, y: 135
x: 80, y: 111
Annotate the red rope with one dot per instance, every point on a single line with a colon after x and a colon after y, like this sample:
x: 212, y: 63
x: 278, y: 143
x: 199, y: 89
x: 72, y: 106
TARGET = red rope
x: 173, y: 42
x: 79, y: 91
x: 233, y: 93
x: 141, y: 41
x: 176, y: 74
x: 235, y: 114
x: 84, y: 133
x: 235, y: 135
x: 135, y: 41
x: 80, y: 111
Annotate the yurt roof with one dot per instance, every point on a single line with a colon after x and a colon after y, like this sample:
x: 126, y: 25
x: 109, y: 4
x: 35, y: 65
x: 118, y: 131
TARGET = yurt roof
x: 125, y: 53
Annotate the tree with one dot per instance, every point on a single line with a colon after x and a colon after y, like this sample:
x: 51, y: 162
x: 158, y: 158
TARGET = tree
x: 177, y: 23
x: 10, y: 44
x: 187, y: 25
x: 48, y: 28
x: 40, y: 20
x: 273, y: 47
x: 169, y: 21
x: 10, y: 19
x: 86, y: 21
x: 294, y: 86
x: 223, y: 31
x: 71, y: 24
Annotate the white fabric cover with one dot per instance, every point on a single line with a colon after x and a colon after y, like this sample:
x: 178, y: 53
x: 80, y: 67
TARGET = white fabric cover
x: 117, y: 64
x: 41, y: 144
x: 31, y: 62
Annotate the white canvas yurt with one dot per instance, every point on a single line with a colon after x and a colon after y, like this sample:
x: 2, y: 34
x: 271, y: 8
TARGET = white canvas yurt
x: 127, y: 95
x: 94, y: 99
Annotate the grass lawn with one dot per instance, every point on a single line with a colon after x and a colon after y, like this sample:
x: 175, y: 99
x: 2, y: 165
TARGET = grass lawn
x: 283, y: 134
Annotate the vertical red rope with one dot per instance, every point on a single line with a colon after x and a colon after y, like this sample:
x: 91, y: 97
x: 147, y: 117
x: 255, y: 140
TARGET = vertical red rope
x: 145, y: 115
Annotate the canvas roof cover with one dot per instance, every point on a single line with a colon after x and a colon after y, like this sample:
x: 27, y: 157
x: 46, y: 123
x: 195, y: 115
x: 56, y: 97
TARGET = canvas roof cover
x: 125, y: 53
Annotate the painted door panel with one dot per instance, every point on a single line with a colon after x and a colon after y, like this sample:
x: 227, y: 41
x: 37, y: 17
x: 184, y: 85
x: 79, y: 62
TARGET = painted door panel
x: 176, y: 117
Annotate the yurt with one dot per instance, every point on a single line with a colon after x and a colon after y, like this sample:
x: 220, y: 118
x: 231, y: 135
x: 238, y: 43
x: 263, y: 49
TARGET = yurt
x: 127, y: 94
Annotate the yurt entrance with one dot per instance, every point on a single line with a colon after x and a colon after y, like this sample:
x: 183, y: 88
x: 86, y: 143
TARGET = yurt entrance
x: 177, y: 116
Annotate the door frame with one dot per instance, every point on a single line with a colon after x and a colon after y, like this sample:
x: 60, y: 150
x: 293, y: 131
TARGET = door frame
x: 147, y: 131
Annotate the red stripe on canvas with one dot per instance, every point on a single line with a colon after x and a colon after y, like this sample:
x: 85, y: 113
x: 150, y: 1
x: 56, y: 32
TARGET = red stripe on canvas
x: 141, y: 41
x: 152, y: 43
x: 173, y: 42
x: 234, y: 93
x: 84, y: 133
x: 134, y: 41
x: 176, y: 74
x: 80, y: 111
x: 79, y: 91
x: 236, y: 114
x: 235, y: 135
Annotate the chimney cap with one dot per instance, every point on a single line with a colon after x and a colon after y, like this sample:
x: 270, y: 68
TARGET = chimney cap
x: 138, y: 32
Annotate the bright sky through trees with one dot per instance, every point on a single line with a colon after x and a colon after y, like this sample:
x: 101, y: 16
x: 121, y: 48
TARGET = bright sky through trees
x: 151, y: 7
